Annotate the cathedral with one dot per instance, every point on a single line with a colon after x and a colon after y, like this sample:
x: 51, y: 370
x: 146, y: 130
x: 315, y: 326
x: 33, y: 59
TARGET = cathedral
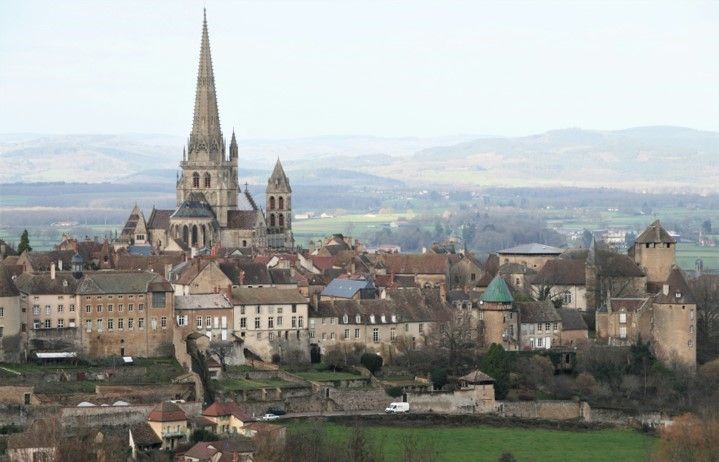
x: 211, y: 208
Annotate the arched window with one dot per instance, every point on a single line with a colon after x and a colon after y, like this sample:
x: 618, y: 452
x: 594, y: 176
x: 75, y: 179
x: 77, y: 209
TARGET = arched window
x: 272, y: 220
x: 185, y: 235
x: 272, y: 202
x: 195, y: 180
x: 244, y: 243
x: 208, y: 180
x: 282, y: 219
x: 282, y: 203
x: 194, y: 234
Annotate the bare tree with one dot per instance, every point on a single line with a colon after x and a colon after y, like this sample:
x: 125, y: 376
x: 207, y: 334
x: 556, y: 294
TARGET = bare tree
x: 705, y: 289
x: 221, y: 349
x: 458, y: 335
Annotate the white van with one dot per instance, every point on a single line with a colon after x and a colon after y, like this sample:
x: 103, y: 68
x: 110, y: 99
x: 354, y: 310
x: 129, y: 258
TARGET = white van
x: 397, y: 408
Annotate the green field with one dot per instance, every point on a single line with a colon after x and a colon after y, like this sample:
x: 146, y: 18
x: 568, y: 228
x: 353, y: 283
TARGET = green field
x: 486, y: 444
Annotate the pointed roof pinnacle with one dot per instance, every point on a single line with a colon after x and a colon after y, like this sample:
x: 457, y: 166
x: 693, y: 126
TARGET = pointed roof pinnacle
x: 278, y: 181
x: 206, y: 133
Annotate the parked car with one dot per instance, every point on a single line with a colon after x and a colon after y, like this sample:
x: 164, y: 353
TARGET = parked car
x: 268, y: 417
x: 397, y: 408
x: 276, y: 411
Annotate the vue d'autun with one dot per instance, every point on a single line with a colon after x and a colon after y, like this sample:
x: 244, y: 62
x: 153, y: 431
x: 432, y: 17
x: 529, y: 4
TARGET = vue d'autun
x: 279, y: 291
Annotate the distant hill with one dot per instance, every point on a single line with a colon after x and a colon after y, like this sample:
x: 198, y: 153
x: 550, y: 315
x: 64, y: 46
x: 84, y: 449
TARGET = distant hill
x: 667, y: 159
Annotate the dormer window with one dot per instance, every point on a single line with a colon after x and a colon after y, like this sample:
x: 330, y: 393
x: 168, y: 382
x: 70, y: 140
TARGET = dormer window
x: 345, y: 319
x: 678, y: 294
x: 384, y: 319
x: 371, y: 319
x: 394, y: 318
x: 358, y: 319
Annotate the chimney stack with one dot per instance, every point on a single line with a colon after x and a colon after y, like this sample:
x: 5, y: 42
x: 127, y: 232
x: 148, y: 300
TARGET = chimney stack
x: 52, y: 271
x: 242, y: 277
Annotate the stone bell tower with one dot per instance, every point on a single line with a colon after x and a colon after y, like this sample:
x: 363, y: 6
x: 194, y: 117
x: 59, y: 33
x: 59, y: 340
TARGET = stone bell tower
x: 279, y: 210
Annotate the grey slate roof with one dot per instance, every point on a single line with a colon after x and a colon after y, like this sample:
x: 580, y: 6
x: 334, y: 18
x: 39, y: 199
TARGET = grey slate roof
x: 120, y: 282
x: 7, y: 286
x: 281, y: 276
x: 408, y: 305
x: 536, y: 312
x: 563, y: 272
x: 159, y: 219
x: 346, y: 288
x: 245, y: 201
x: 531, y: 249
x: 194, y: 206
x: 201, y: 301
x: 242, y: 219
x: 572, y: 319
x: 140, y: 250
x: 266, y: 296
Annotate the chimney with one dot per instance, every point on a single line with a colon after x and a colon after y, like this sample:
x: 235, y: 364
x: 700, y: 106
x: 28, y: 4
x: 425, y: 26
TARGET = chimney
x: 242, y: 277
x: 168, y: 268
x: 59, y: 264
x: 229, y: 292
x: 52, y: 271
x: 665, y: 289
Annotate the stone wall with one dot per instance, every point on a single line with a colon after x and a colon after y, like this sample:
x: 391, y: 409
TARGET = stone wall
x: 442, y: 402
x: 357, y: 399
x: 146, y: 393
x: 548, y: 410
x: 115, y: 415
x: 10, y: 394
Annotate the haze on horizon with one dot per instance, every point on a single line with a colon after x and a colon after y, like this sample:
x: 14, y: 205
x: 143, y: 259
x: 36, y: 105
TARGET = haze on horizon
x: 422, y: 68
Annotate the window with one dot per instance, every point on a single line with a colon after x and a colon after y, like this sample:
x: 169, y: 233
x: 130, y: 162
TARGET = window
x: 153, y: 323
x: 36, y: 310
x: 120, y: 307
x: 72, y: 308
x: 88, y: 308
x: 110, y: 324
x: 109, y: 308
x: 243, y: 323
x: 279, y: 321
x: 47, y: 324
x: 371, y: 319
x: 257, y: 323
x: 99, y: 308
x: 347, y: 334
x: 375, y: 335
x: 622, y: 332
x: 259, y: 310
x: 539, y: 327
x: 99, y: 324
x: 129, y: 323
x: 324, y: 335
x: 300, y: 322
x: 279, y: 310
x: 48, y: 310
x: 540, y: 341
x: 358, y: 319
x: 270, y: 322
x: 163, y: 322
x: 2, y: 311
x: 473, y: 277
x: 198, y: 322
x: 566, y: 298
x: 294, y: 308
x: 345, y: 319
x: 60, y: 308
x: 88, y: 325
x: 554, y: 327
x: 272, y: 202
x: 623, y: 318
x: 195, y: 180
x: 392, y: 333
x: 294, y: 321
x: 182, y: 320
x: 158, y: 299
x: 208, y: 180
x: 357, y: 332
x: 129, y: 307
x: 140, y: 323
x: 208, y: 322
x: 141, y: 306
x: 242, y: 310
x: 281, y: 203
x: 547, y: 326
x: 332, y: 336
x: 421, y: 328
x: 312, y: 334
x: 271, y: 336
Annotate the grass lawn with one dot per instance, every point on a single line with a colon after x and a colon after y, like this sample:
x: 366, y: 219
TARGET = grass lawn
x: 486, y: 444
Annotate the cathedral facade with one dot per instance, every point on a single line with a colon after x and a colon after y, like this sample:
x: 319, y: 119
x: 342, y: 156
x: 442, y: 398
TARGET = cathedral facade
x: 211, y: 207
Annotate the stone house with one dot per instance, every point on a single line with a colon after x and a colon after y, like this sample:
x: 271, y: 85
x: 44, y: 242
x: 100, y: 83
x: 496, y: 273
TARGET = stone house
x: 10, y: 318
x: 519, y: 275
x: 271, y: 320
x: 540, y: 325
x: 533, y: 256
x: 405, y: 315
x: 465, y: 273
x: 620, y: 322
x: 429, y: 270
x: 483, y: 387
x: 574, y: 328
x: 208, y: 314
x: 199, y: 276
x: 125, y: 313
x: 565, y: 280
x: 654, y: 251
x: 237, y: 449
x: 166, y: 428
x: 50, y: 318
x: 38, y: 261
x: 498, y: 317
x: 227, y: 417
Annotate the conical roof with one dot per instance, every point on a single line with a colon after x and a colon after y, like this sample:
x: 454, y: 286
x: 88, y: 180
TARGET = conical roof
x: 206, y: 135
x: 278, y: 181
x: 497, y: 292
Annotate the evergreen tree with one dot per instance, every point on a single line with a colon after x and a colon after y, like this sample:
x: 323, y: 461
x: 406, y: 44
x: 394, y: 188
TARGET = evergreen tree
x: 24, y: 243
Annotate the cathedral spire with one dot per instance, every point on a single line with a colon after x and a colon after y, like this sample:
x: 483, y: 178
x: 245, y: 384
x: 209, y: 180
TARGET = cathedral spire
x: 278, y: 181
x: 206, y: 140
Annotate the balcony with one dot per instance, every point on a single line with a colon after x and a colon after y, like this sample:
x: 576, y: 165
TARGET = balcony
x: 173, y: 434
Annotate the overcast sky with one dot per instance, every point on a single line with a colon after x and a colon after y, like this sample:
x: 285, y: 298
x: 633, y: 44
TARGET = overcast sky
x: 420, y: 68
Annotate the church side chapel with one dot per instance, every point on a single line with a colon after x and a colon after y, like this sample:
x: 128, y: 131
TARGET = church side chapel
x: 212, y: 209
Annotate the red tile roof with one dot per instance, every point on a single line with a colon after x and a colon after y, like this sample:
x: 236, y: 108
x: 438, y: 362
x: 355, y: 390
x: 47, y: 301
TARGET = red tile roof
x: 167, y: 412
x: 218, y: 409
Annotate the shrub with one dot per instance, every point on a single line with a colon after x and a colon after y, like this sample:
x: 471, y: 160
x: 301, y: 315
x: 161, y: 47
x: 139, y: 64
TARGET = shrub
x: 203, y: 435
x: 372, y: 361
x: 394, y: 392
x: 439, y: 377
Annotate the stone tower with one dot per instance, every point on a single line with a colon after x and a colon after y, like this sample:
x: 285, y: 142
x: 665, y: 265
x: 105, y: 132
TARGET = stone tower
x: 279, y: 209
x: 205, y: 168
x: 655, y: 251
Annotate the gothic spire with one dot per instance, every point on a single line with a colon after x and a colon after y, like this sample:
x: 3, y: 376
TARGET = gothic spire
x: 206, y: 137
x: 233, y: 145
